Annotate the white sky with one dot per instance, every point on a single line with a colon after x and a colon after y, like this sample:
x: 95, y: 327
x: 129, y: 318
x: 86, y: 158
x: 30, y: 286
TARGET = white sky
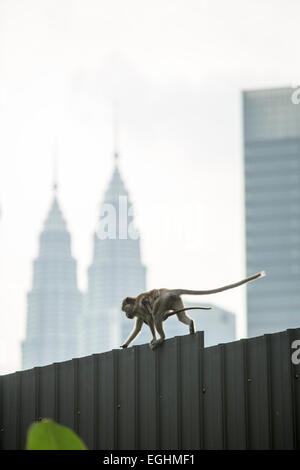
x: 176, y: 68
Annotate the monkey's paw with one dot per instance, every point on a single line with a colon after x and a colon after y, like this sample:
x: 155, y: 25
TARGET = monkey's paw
x: 154, y: 344
x: 124, y: 346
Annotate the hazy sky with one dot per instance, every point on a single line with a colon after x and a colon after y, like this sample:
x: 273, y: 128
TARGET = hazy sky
x: 176, y: 68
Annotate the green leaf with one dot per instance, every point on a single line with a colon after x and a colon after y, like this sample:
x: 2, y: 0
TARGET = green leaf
x: 48, y: 435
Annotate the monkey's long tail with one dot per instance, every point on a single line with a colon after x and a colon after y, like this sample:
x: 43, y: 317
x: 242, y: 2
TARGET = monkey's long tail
x: 220, y: 289
x: 169, y: 314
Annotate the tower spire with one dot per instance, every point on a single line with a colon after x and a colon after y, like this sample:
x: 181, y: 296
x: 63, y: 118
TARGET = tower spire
x: 54, y: 167
x: 116, y: 131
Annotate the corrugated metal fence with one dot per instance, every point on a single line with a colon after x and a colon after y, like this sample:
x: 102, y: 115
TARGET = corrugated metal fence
x: 240, y: 395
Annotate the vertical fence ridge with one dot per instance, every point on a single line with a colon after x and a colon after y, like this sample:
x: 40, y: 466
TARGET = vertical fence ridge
x: 200, y: 346
x: 1, y: 414
x: 37, y: 395
x: 18, y: 422
x: 136, y: 397
x: 223, y: 395
x: 267, y: 344
x: 116, y: 398
x: 290, y: 336
x: 76, y: 411
x: 246, y: 383
x: 157, y: 400
x: 179, y: 392
x: 95, y: 401
x: 56, y: 391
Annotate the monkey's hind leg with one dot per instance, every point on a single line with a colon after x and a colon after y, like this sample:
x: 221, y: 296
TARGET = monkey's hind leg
x: 160, y: 331
x: 152, y: 328
x: 184, y: 318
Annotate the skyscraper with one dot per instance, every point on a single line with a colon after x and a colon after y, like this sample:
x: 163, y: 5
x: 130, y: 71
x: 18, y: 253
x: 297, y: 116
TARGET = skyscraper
x: 115, y: 273
x: 272, y: 193
x: 54, y: 303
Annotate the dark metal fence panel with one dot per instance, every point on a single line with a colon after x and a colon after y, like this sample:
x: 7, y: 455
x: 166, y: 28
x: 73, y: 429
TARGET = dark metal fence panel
x: 126, y: 406
x: 85, y: 400
x: 95, y: 424
x: 28, y: 403
x: 191, y: 391
x: 66, y: 394
x: 107, y: 402
x: 259, y: 396
x: 10, y: 412
x: 148, y: 399
x: 214, y: 398
x: 48, y: 402
x: 235, y: 395
x: 168, y: 395
x: 281, y: 389
x: 239, y: 395
x: 294, y: 336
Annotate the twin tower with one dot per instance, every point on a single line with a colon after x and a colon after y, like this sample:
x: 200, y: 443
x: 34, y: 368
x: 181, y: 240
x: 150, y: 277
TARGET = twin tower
x: 62, y: 322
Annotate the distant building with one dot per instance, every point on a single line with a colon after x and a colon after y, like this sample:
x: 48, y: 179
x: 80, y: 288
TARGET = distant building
x: 218, y: 324
x: 54, y: 303
x: 115, y: 273
x: 272, y: 196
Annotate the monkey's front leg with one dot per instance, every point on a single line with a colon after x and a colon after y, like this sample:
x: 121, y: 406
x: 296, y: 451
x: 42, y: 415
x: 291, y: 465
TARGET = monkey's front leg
x: 138, y: 326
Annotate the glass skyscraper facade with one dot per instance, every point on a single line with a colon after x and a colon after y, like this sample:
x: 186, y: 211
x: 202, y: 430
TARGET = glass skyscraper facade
x: 272, y: 200
x: 54, y: 303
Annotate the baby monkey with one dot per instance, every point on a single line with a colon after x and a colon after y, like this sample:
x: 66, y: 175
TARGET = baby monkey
x: 155, y: 306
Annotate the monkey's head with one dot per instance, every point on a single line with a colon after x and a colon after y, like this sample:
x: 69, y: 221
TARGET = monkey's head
x: 128, y: 306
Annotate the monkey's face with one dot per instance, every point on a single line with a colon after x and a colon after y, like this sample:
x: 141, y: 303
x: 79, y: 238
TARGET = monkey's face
x: 128, y: 306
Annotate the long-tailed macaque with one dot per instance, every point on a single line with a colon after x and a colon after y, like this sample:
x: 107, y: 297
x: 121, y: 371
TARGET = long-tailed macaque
x: 155, y: 306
